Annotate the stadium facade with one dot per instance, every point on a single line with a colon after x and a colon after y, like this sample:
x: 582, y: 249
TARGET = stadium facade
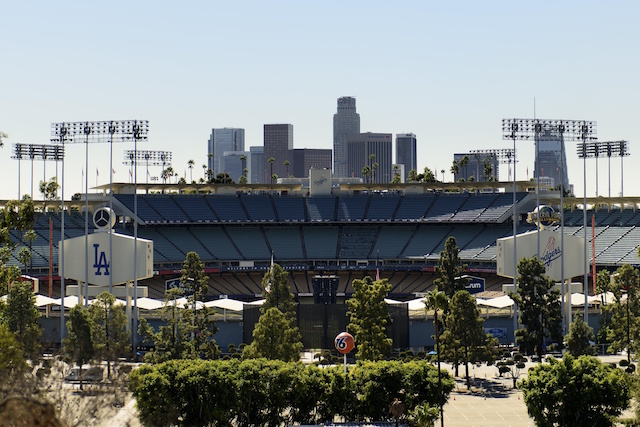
x: 348, y: 231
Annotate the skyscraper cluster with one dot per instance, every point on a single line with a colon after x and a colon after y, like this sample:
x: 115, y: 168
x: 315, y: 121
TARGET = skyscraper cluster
x: 363, y: 155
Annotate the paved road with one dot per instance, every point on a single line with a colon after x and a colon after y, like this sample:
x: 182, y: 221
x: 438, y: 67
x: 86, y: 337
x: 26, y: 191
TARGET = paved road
x: 476, y: 410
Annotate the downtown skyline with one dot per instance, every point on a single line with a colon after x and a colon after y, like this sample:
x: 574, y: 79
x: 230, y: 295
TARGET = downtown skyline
x: 447, y: 73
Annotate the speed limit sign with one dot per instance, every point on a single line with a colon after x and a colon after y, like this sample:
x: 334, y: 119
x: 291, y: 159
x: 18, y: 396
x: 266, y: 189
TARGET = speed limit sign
x: 344, y: 342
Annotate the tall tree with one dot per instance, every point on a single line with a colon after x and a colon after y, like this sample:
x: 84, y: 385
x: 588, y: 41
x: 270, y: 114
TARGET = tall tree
x: 286, y: 165
x: 191, y: 163
x: 368, y: 318
x: 428, y: 175
x: 465, y: 324
x: 438, y: 301
x: 171, y: 340
x: 579, y: 338
x: 366, y: 172
x: 276, y: 335
x: 79, y: 345
x: 396, y: 175
x: 203, y: 327
x: 412, y: 176
x: 271, y: 160
x: 575, y: 392
x: 21, y: 316
x: 450, y: 269
x: 109, y: 328
x: 623, y: 331
x: 455, y: 169
x: 539, y: 307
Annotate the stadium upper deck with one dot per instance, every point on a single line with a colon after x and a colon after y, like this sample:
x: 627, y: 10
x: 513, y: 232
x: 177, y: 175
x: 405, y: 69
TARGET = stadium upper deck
x: 389, y: 230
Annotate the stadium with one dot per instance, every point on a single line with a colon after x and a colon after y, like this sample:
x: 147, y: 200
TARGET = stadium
x: 356, y: 230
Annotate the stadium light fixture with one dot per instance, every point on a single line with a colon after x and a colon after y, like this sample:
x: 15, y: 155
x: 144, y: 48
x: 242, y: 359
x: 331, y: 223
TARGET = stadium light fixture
x: 148, y: 158
x: 36, y: 152
x: 570, y: 130
x: 595, y: 149
x: 93, y: 132
x: 502, y: 155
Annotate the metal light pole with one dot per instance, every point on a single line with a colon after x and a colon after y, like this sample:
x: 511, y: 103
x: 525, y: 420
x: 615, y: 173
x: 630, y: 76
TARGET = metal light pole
x: 527, y: 129
x: 585, y: 131
x: 91, y: 132
x: 510, y: 130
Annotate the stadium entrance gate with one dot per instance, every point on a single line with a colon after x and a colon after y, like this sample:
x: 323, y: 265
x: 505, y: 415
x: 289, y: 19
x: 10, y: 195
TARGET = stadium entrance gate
x: 320, y: 323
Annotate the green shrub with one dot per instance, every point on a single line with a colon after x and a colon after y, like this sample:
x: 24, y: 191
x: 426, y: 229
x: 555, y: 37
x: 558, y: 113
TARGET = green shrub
x: 262, y: 392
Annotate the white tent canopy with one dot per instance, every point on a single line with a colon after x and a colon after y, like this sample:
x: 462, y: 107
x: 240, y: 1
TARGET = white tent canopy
x: 499, y: 302
x: 149, y: 303
x: 226, y: 303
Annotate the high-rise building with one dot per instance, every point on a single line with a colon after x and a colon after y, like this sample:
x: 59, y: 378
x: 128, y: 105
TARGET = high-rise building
x: 345, y: 122
x: 361, y: 147
x: 234, y: 164
x: 256, y: 160
x: 552, y: 158
x: 221, y: 140
x: 308, y: 158
x: 406, y: 152
x: 278, y: 142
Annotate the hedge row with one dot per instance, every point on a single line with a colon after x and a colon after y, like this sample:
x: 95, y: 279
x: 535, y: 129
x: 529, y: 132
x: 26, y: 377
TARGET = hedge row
x: 261, y: 392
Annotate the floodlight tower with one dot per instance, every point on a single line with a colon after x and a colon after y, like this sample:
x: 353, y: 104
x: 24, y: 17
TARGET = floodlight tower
x: 105, y: 131
x: 610, y: 149
x: 147, y: 157
x: 36, y: 152
x: 96, y: 132
x: 502, y: 155
x: 584, y: 131
x: 510, y: 129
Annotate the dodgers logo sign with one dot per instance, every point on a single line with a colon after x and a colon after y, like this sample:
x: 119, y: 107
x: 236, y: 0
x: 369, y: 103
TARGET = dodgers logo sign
x: 100, y: 261
x: 551, y: 252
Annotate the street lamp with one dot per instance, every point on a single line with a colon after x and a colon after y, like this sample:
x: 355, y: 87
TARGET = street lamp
x: 94, y: 132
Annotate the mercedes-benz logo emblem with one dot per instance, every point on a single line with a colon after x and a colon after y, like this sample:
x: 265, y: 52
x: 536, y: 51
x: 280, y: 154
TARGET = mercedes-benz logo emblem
x: 102, y: 218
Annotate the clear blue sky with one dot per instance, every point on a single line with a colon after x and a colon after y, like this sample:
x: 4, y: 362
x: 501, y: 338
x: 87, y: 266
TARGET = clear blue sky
x: 447, y: 71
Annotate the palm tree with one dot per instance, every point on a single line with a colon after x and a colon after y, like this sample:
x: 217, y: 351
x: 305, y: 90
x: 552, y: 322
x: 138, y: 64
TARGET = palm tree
x: 437, y: 301
x: 454, y: 170
x: 166, y: 174
x: 396, y: 176
x: 442, y: 172
x: 366, y: 171
x: 191, y: 164
x: 375, y: 166
x: 463, y: 164
x: 243, y: 158
x: 204, y: 172
x: 271, y: 160
x: 286, y: 165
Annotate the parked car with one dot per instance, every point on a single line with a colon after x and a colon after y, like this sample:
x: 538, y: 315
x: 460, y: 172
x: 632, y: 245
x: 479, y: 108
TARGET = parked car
x: 93, y: 374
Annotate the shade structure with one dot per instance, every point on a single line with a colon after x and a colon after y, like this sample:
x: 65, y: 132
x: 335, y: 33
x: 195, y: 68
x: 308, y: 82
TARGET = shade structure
x: 258, y: 302
x: 149, y: 303
x: 42, y: 300
x: 226, y: 303
x: 416, y: 304
x: 499, y: 302
x: 184, y: 302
